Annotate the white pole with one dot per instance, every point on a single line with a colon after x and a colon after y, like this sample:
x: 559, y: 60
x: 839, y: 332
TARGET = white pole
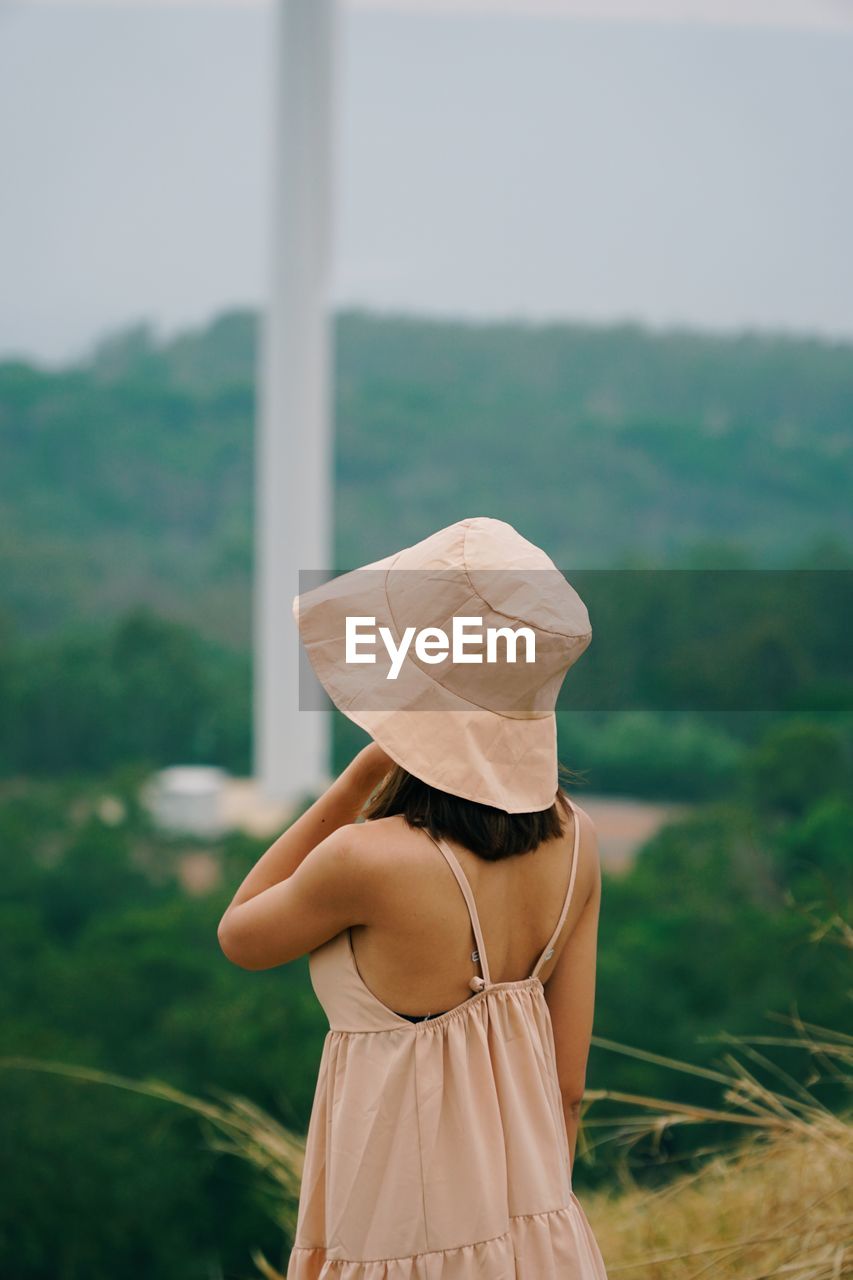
x: 293, y: 458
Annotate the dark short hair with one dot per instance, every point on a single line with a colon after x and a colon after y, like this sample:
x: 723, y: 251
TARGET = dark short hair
x: 490, y: 833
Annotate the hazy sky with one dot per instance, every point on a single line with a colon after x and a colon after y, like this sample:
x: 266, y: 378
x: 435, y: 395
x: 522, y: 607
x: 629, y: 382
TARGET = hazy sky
x: 490, y: 162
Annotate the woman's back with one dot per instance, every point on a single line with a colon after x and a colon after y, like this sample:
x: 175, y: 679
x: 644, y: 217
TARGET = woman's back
x: 418, y: 960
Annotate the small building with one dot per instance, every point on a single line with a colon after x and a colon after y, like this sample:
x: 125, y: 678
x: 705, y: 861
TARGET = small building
x: 188, y: 799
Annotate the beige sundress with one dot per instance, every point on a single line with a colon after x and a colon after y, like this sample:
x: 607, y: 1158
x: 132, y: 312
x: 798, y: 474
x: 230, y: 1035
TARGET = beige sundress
x: 438, y: 1150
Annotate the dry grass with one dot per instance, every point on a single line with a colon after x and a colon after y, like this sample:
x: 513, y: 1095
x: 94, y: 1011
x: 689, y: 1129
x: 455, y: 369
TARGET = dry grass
x: 782, y: 1208
x: 778, y: 1204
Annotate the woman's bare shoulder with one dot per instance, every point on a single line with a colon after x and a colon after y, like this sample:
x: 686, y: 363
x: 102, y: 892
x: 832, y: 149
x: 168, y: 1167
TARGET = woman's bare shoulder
x: 389, y: 838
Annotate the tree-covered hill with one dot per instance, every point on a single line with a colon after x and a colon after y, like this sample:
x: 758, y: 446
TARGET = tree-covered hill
x: 129, y: 477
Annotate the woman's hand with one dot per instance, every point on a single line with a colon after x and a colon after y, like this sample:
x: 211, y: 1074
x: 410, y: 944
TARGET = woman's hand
x: 370, y: 766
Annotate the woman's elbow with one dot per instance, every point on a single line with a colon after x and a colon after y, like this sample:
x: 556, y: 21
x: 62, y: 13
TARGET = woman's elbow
x: 572, y: 1096
x: 231, y: 944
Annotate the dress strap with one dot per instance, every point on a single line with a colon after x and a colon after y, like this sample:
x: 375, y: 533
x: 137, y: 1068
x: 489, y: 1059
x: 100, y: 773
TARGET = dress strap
x: 477, y: 983
x: 549, y: 949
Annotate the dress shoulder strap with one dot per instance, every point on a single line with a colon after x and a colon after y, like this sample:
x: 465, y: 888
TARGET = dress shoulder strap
x: 476, y: 983
x: 549, y: 949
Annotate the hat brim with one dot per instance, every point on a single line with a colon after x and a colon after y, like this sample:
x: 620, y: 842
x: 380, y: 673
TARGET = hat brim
x: 435, y: 734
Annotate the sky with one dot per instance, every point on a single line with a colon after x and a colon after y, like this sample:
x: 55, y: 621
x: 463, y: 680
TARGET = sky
x: 499, y: 159
x: 774, y: 13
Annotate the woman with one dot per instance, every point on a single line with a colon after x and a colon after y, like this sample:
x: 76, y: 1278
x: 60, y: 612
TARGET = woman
x: 451, y: 931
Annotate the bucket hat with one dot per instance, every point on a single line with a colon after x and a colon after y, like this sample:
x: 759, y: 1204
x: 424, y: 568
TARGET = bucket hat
x: 476, y: 720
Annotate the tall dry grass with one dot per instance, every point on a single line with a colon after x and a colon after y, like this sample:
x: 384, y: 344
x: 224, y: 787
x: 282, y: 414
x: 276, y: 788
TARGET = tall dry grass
x: 778, y: 1203
x: 775, y: 1205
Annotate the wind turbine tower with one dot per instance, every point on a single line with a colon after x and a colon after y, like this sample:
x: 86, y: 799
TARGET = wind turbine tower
x: 293, y: 444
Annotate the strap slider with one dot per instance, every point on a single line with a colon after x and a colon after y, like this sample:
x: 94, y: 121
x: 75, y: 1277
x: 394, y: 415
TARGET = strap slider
x: 475, y: 955
x: 548, y: 953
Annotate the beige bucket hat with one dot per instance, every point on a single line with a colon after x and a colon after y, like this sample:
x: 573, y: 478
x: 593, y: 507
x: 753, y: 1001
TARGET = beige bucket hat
x: 466, y: 718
